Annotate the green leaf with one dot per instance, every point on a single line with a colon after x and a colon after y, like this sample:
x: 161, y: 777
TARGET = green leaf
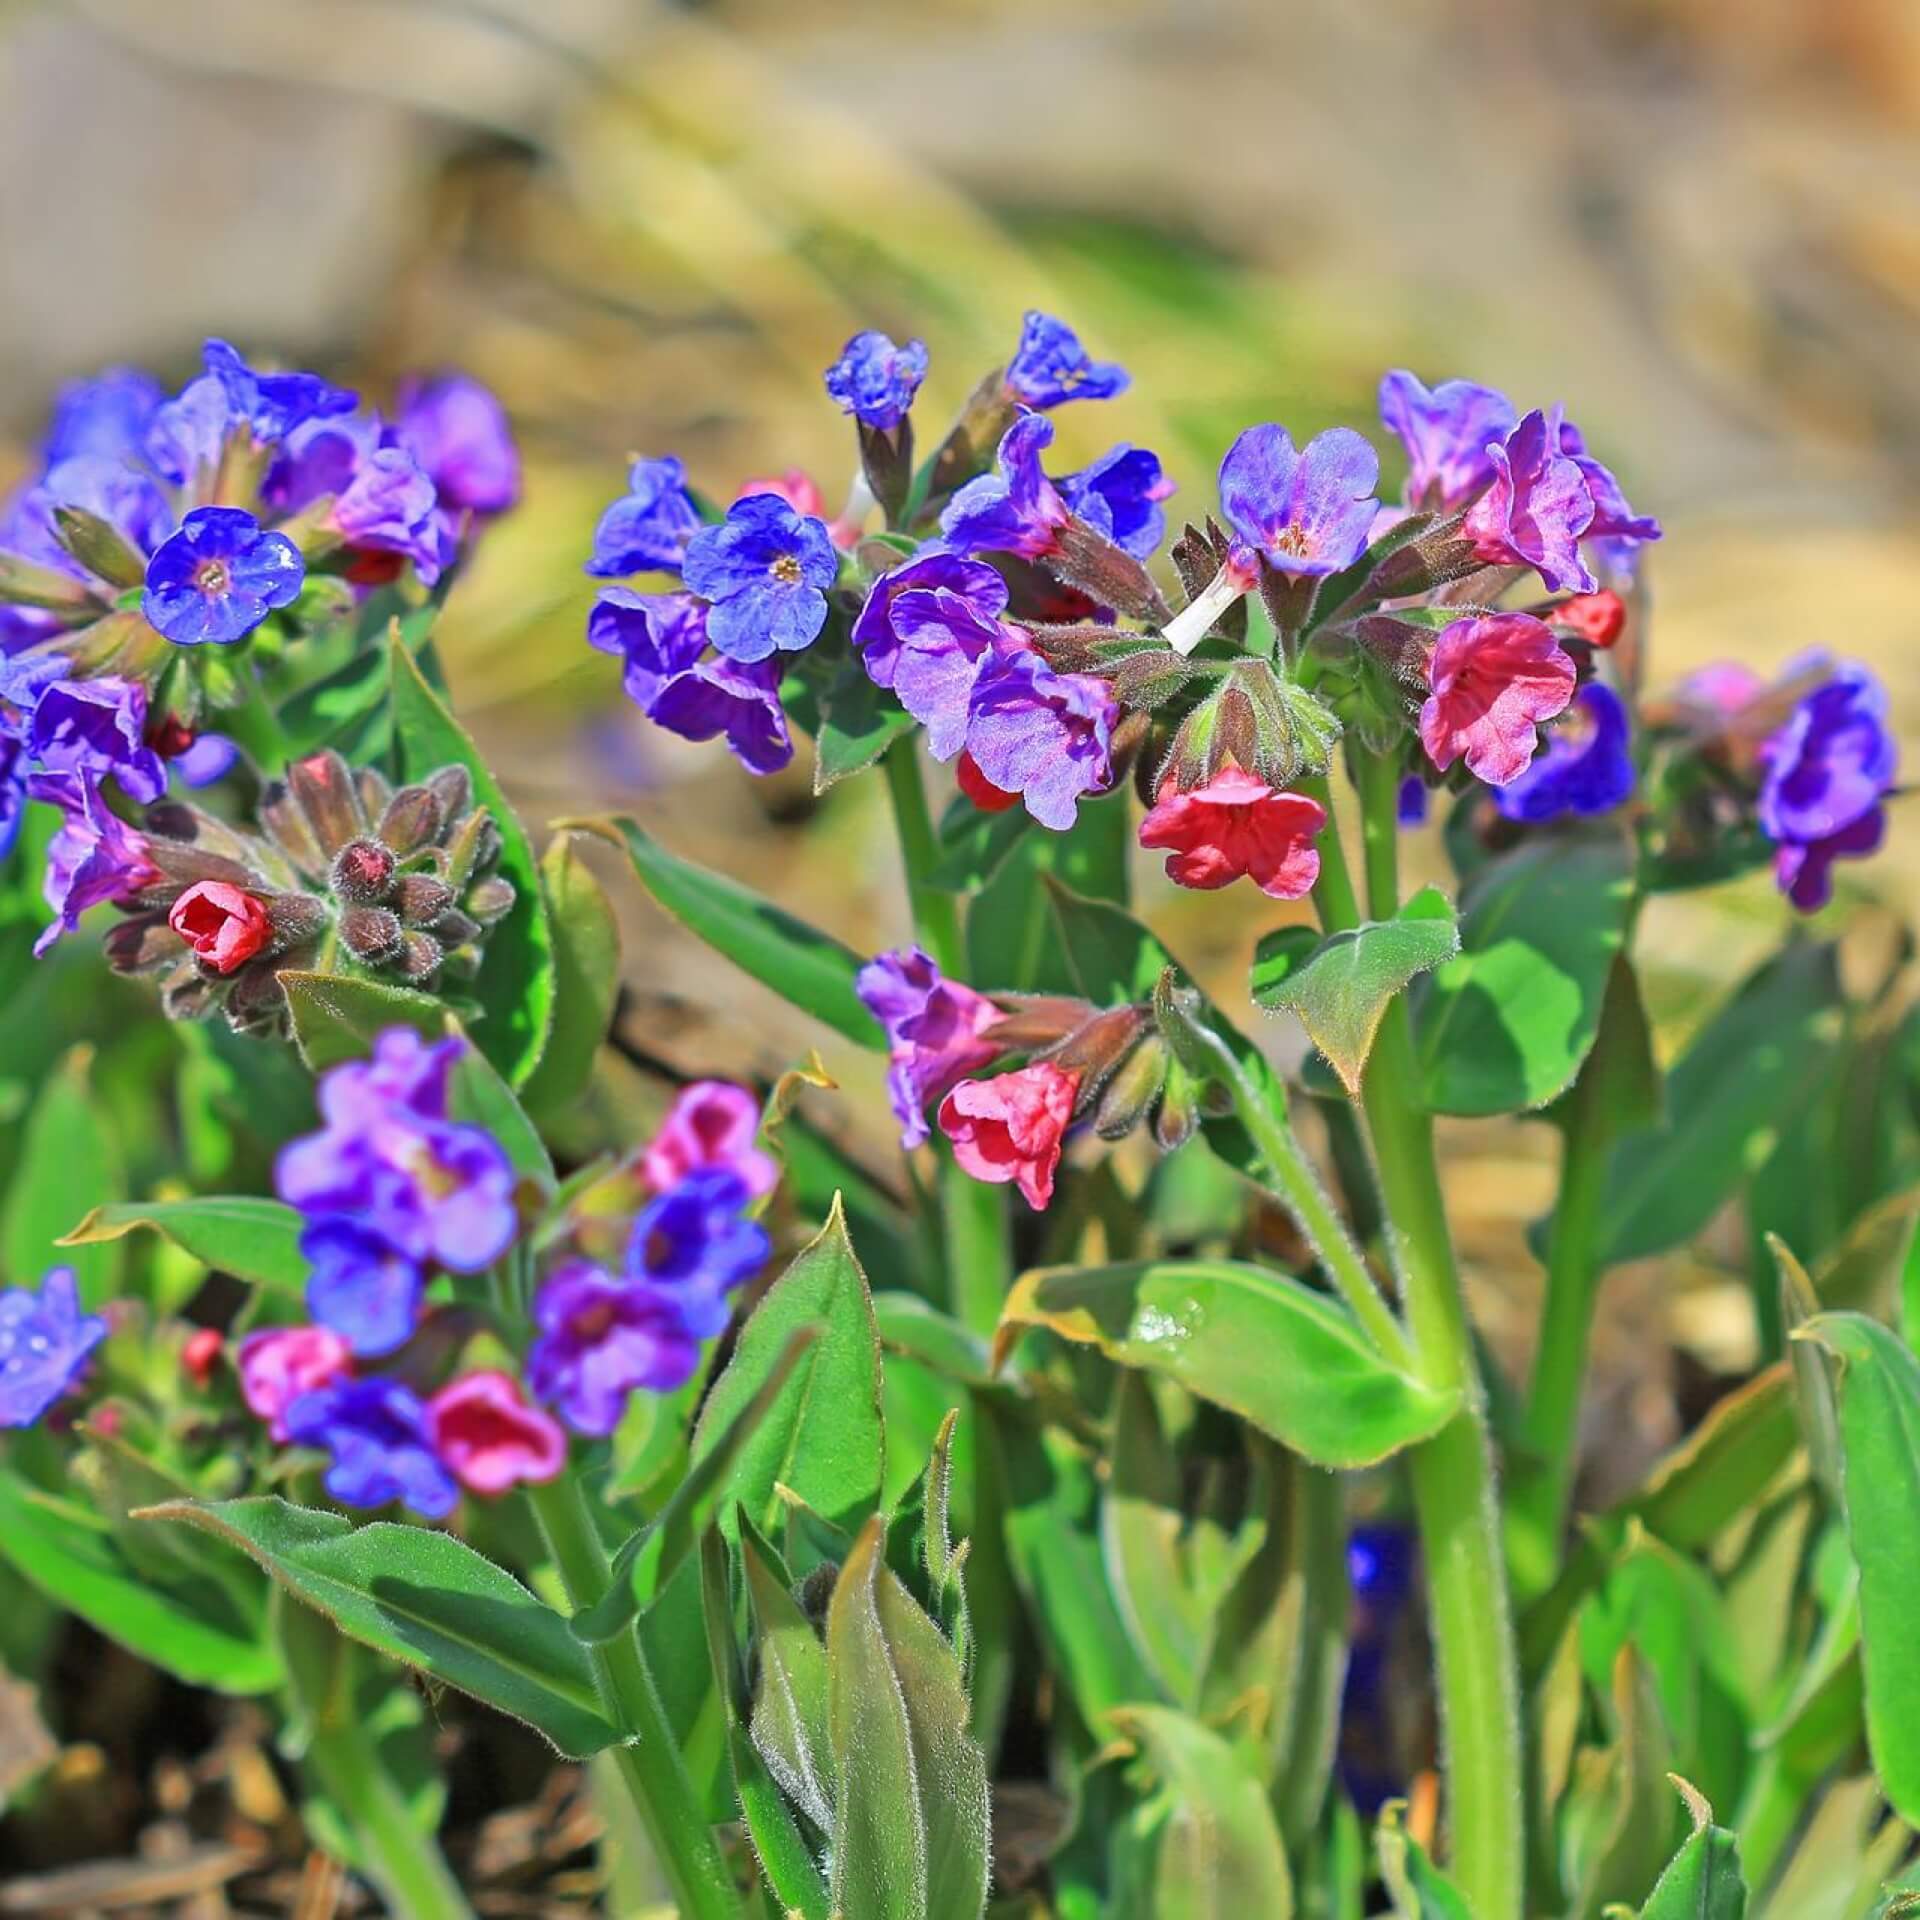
x: 1702, y: 1881
x: 338, y: 1016
x: 1214, y: 1851
x: 1815, y: 1396
x: 253, y: 1239
x: 803, y: 965
x: 586, y: 976
x: 1504, y: 1025
x: 192, y: 1628
x: 1341, y: 991
x: 1255, y: 1342
x: 515, y: 984
x: 910, y: 1826
x: 858, y: 723
x: 1734, y: 1086
x: 478, y: 1095
x: 1417, y: 1888
x: 821, y: 1437
x: 1880, y: 1469
x: 427, y: 1600
x: 68, y: 1162
x: 973, y: 845
x: 790, y: 1710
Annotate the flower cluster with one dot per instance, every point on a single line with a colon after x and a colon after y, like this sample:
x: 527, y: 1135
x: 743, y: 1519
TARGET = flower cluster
x: 602, y: 1335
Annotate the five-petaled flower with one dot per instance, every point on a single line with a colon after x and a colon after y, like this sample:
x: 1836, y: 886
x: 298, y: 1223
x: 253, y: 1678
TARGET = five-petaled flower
x: 44, y: 1342
x: 1050, y: 366
x: 875, y: 381
x: 219, y: 577
x: 1234, y: 826
x: 1494, y: 678
x: 1008, y: 1129
x: 647, y: 529
x: 381, y: 1438
x: 489, y: 1438
x: 765, y: 569
x: 1304, y: 512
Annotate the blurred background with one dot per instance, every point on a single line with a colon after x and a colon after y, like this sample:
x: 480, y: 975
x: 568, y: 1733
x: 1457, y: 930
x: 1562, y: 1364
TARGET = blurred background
x: 651, y: 226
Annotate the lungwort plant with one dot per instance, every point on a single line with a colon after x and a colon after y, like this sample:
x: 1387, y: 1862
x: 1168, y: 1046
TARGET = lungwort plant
x: 1108, y: 1509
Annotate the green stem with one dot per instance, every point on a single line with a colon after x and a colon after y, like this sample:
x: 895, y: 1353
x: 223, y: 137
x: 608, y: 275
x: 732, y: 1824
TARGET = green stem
x: 648, y: 1759
x: 1451, y: 1474
x: 404, y: 1863
x: 979, y: 1253
x: 1537, y: 1498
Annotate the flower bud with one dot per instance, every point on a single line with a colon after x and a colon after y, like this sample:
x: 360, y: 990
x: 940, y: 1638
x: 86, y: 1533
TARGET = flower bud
x: 1132, y: 1090
x: 412, y: 819
x: 1179, y: 1114
x: 223, y: 926
x: 99, y: 546
x: 452, y: 788
x: 363, y: 871
x: 487, y: 900
x: 419, y: 899
x: 1091, y: 562
x: 323, y: 784
x: 296, y: 918
x: 371, y: 934
x: 1095, y: 1050
x: 201, y: 1354
x: 419, y: 958
x: 1036, y: 1021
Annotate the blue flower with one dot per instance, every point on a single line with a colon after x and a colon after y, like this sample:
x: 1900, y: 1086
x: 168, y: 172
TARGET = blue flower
x: 1446, y: 432
x: 1410, y: 808
x: 44, y: 1342
x: 361, y: 1286
x: 1585, y: 768
x: 97, y: 727
x: 272, y: 404
x: 1119, y: 497
x: 696, y: 1244
x: 1304, y: 512
x: 106, y: 417
x: 766, y: 570
x: 381, y: 1439
x: 93, y: 857
x: 647, y: 529
x: 1018, y: 510
x: 219, y: 577
x: 876, y: 381
x: 1051, y: 366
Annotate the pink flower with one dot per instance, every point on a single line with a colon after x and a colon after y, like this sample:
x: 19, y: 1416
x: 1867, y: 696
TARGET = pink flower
x: 1237, y: 825
x: 489, y: 1438
x: 224, y: 925
x: 279, y: 1364
x: 1009, y: 1128
x: 712, y: 1123
x: 1495, y: 677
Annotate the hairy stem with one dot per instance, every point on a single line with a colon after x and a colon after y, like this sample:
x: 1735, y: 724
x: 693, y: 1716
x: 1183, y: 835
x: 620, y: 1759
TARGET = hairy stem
x: 404, y: 1863
x: 973, y: 1214
x: 1452, y: 1474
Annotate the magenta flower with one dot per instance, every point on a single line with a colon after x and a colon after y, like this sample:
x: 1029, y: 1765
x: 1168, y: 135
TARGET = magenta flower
x: 1306, y: 512
x: 1494, y: 678
x: 712, y: 1123
x: 1446, y: 432
x: 93, y: 857
x: 936, y: 1032
x: 1538, y: 507
x: 1041, y: 734
x: 279, y: 1364
x: 1008, y: 1130
x: 1018, y: 510
x: 488, y: 1437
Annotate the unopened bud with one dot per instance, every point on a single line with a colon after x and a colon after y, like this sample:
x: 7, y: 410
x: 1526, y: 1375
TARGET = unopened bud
x: 1132, y: 1090
x: 452, y: 787
x: 419, y: 899
x: 412, y: 819
x: 371, y: 934
x: 323, y: 784
x: 295, y: 918
x: 99, y: 546
x: 201, y: 1354
x: 1097, y: 1049
x: 419, y: 958
x: 487, y: 900
x: 363, y: 871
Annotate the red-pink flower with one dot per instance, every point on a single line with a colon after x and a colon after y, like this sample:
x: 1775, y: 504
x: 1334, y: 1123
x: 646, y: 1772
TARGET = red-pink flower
x: 224, y: 925
x: 279, y: 1364
x: 1236, y: 824
x: 487, y: 1436
x: 1495, y: 677
x: 712, y: 1123
x: 1009, y: 1128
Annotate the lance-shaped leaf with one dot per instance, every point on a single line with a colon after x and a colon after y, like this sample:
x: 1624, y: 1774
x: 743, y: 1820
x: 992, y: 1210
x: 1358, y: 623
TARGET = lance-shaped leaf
x: 1815, y: 1398
x: 515, y: 983
x: 1418, y: 1889
x: 790, y: 1711
x: 253, y: 1239
x: 1702, y: 1881
x: 68, y: 1162
x: 427, y: 1600
x: 1341, y: 991
x: 1258, y: 1343
x: 586, y: 975
x: 1504, y: 1025
x: 910, y: 1827
x: 800, y: 963
x: 1213, y: 1846
x: 821, y: 1437
x: 1880, y: 1474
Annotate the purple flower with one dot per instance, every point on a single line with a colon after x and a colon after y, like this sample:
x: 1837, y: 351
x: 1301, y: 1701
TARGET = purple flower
x: 1832, y: 761
x: 97, y: 727
x: 1537, y: 508
x: 219, y: 577
x: 458, y: 432
x: 874, y: 636
x: 765, y: 569
x: 209, y: 757
x: 944, y: 640
x: 661, y: 638
x: 382, y: 498
x: 389, y: 1158
x: 106, y: 417
x: 695, y: 1243
x: 647, y: 529
x: 599, y: 1339
x: 1018, y: 510
x: 1803, y: 869
x: 1586, y: 766
x: 271, y: 405
x: 1041, y: 734
x: 1306, y: 512
x: 13, y: 787
x: 360, y: 1286
x: 1410, y: 809
x: 93, y: 857
x: 876, y: 381
x: 1446, y: 432
x: 44, y: 1343
x: 1051, y: 366
x: 381, y: 1439
x: 1614, y: 524
x: 935, y: 1030
x: 188, y: 433
x: 1119, y: 497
